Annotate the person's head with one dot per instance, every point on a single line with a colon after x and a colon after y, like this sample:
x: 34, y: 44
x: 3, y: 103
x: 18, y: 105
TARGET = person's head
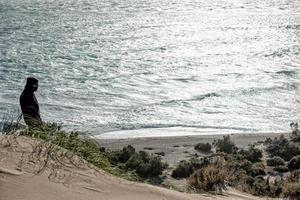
x: 32, y: 84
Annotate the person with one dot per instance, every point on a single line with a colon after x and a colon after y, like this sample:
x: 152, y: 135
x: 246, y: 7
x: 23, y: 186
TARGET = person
x: 29, y: 104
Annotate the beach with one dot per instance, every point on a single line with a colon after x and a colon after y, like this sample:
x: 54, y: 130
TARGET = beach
x: 178, y: 148
x: 19, y: 179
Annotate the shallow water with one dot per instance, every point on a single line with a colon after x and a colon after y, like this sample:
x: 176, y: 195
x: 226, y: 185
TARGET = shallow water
x: 182, y: 67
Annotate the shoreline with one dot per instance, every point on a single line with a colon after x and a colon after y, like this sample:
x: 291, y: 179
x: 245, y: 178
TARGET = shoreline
x: 175, y: 132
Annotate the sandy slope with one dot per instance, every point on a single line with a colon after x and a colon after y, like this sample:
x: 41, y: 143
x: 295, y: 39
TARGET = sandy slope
x: 23, y: 176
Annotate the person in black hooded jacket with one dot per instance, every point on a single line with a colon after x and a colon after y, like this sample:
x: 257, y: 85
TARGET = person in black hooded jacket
x: 29, y: 104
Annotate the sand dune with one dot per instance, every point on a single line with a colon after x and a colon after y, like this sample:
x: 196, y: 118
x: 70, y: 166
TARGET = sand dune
x: 25, y: 176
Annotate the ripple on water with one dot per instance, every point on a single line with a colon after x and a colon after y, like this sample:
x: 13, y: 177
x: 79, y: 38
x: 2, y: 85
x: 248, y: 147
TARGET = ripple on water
x: 185, y: 66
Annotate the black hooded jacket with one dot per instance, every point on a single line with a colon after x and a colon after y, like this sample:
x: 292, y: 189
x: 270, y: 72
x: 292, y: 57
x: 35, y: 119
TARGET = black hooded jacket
x: 29, y: 104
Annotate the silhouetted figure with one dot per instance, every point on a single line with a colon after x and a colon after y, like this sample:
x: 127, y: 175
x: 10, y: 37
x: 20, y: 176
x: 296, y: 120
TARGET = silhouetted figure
x: 29, y: 103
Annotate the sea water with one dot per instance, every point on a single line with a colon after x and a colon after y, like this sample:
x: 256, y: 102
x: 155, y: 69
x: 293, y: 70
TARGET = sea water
x: 154, y: 67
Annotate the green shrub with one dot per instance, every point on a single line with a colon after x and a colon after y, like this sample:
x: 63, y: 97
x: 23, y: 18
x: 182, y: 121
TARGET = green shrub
x: 78, y: 143
x: 145, y: 164
x: 281, y: 169
x: 225, y: 145
x: 268, y: 140
x: 234, y: 160
x: 259, y: 186
x: 252, y: 154
x: 262, y: 187
x: 294, y: 163
x: 258, y: 169
x: 275, y: 161
x: 296, y: 138
x: 198, y: 163
x: 209, y: 178
x: 203, y: 147
x: 236, y: 165
x: 245, y: 165
x: 185, y: 168
x: 283, y: 148
x: 121, y: 156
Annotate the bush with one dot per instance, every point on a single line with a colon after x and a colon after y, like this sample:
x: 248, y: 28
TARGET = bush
x: 225, y: 145
x: 203, y: 147
x: 291, y: 187
x: 245, y: 165
x: 294, y: 163
x: 185, y: 168
x: 294, y: 176
x: 258, y: 169
x: 252, y: 154
x: 78, y: 143
x: 268, y: 140
x: 291, y: 190
x: 275, y: 161
x: 236, y: 165
x: 258, y: 185
x: 209, y: 178
x: 281, y: 169
x: 283, y: 148
x: 236, y: 168
x: 121, y: 156
x: 145, y: 164
x: 295, y: 138
x: 262, y: 187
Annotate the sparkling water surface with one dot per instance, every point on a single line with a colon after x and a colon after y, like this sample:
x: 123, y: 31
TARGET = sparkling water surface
x: 155, y: 67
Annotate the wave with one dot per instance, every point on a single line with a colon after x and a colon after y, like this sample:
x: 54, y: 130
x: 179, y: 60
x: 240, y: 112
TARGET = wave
x: 287, y: 72
x: 129, y: 127
x: 281, y: 52
x: 292, y: 26
x: 195, y: 98
x: 127, y: 75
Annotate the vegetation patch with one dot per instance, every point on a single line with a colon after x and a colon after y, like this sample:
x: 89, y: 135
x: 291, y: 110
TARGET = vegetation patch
x: 253, y: 154
x: 291, y: 186
x: 145, y: 164
x: 203, y: 147
x: 281, y: 169
x: 275, y: 161
x: 294, y: 163
x: 142, y: 163
x: 225, y: 145
x: 209, y: 178
x: 283, y: 148
x: 186, y: 167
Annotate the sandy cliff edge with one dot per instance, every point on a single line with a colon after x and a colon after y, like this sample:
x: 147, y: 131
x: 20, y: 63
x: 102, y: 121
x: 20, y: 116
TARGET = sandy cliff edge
x: 23, y: 176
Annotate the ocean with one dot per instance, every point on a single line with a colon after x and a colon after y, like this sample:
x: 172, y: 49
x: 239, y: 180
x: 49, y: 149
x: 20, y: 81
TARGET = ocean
x: 129, y: 68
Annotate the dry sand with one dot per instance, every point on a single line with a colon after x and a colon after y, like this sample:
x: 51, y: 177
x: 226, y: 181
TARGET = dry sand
x: 24, y: 176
